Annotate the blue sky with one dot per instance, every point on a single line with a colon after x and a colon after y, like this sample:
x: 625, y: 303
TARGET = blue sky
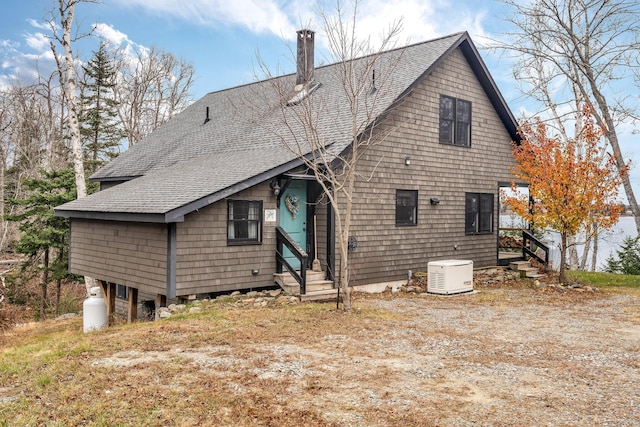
x: 221, y: 38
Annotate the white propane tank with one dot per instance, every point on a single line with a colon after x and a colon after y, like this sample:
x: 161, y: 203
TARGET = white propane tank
x: 94, y: 311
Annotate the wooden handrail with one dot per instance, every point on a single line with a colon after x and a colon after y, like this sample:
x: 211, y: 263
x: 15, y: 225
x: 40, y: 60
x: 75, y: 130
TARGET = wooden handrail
x: 528, y: 243
x: 283, y: 239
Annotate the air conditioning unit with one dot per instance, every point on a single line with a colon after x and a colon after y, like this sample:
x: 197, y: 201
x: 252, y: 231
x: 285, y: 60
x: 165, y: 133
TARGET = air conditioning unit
x: 450, y: 276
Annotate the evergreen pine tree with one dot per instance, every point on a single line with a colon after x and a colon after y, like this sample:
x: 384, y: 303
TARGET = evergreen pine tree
x: 101, y: 131
x: 44, y: 237
x: 628, y: 258
x: 612, y: 265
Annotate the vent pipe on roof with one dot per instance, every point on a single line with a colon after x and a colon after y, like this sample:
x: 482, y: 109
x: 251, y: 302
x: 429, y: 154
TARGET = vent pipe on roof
x: 305, y: 57
x: 206, y: 118
x: 373, y: 84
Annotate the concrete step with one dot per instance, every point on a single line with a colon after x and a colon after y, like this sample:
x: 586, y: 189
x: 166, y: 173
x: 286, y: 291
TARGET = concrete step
x: 319, y: 285
x: 526, y: 271
x: 316, y: 283
x: 519, y: 265
x: 323, y: 295
x: 537, y: 275
x: 287, y: 278
x: 529, y: 272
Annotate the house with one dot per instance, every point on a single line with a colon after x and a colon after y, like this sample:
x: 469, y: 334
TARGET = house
x: 205, y: 202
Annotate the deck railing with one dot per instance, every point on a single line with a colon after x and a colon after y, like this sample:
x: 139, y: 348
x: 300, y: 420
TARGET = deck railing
x: 284, y: 240
x: 532, y: 247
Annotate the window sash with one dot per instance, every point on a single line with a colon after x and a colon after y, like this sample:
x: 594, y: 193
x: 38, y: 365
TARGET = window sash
x: 447, y: 119
x: 455, y: 121
x: 122, y: 291
x: 485, y: 222
x: 478, y: 213
x: 463, y: 122
x: 471, y: 212
x: 406, y: 207
x: 244, y: 221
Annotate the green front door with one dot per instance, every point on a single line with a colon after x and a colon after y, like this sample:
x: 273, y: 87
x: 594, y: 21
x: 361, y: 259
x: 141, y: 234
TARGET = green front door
x: 293, y: 217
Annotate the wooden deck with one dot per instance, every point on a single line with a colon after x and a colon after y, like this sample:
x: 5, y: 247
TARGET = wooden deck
x: 504, y: 258
x: 509, y: 255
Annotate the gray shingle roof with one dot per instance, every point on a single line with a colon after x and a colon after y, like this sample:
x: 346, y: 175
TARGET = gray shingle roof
x: 186, y: 163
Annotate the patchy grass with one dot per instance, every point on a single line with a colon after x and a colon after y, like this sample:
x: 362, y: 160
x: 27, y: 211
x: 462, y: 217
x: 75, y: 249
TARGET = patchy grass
x: 52, y: 372
x: 606, y: 280
x: 396, y: 360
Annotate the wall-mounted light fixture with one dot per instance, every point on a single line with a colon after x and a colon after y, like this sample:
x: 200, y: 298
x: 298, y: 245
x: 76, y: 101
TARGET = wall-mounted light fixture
x: 434, y: 201
x: 275, y: 187
x: 407, y: 160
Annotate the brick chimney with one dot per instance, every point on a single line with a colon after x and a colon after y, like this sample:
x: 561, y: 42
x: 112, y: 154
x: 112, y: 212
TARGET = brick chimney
x: 305, y: 57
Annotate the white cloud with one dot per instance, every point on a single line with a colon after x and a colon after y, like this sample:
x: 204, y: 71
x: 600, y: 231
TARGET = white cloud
x: 422, y: 19
x: 110, y: 34
x: 417, y: 18
x: 38, y: 42
x: 39, y: 24
x: 22, y: 63
x: 255, y: 15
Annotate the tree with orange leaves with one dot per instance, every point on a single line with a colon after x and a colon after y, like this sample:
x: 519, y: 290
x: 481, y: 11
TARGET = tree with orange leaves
x: 573, y: 184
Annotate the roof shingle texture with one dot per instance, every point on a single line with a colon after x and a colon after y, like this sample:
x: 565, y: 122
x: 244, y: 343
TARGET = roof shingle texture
x: 186, y: 159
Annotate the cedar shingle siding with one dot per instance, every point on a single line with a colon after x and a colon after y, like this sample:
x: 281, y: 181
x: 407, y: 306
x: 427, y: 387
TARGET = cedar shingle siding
x: 204, y: 261
x: 385, y: 251
x: 131, y: 254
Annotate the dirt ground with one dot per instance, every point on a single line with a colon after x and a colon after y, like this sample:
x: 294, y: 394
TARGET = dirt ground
x: 501, y: 357
x: 498, y: 357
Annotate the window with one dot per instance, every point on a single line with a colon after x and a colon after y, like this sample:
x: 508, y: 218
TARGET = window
x: 455, y: 121
x: 406, y: 207
x: 244, y: 225
x: 478, y: 213
x: 122, y: 291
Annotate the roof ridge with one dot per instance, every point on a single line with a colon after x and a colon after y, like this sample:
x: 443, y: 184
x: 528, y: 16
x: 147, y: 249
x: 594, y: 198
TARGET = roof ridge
x: 452, y: 35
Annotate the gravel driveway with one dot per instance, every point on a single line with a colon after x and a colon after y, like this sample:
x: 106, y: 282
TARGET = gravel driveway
x: 498, y: 357
x: 509, y: 357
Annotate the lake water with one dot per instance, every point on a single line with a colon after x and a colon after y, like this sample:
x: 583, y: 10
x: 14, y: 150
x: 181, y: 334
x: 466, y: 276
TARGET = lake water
x: 609, y: 242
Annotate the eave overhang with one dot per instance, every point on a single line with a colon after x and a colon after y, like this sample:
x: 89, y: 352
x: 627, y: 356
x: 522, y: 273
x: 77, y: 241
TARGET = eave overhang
x: 178, y: 214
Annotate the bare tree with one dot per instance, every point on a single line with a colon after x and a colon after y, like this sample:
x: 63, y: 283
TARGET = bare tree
x: 152, y: 87
x: 52, y: 97
x: 6, y: 121
x: 302, y: 119
x: 592, y: 45
x: 29, y: 127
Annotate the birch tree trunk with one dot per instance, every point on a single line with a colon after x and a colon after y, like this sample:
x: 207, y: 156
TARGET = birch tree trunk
x: 70, y: 94
x: 66, y: 9
x: 585, y: 251
x: 573, y: 252
x: 594, y: 255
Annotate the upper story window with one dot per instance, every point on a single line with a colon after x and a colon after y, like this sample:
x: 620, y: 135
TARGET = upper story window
x: 406, y: 207
x: 244, y: 224
x: 478, y: 213
x: 455, y: 121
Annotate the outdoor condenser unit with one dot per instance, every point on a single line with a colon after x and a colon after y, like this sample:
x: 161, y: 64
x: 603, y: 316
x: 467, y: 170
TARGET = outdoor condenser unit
x: 450, y: 276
